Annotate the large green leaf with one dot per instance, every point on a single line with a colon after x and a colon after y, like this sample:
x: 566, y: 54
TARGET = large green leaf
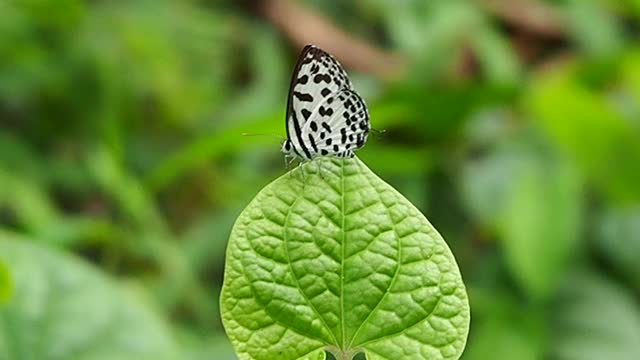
x: 340, y: 261
x: 61, y: 308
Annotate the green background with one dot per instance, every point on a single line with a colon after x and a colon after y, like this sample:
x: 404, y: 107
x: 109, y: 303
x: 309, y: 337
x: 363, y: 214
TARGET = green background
x: 514, y: 126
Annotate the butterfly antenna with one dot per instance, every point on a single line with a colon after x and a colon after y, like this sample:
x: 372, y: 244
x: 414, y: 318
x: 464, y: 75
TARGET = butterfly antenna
x: 378, y: 133
x: 272, y: 135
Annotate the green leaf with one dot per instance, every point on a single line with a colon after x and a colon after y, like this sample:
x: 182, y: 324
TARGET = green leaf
x: 340, y: 261
x: 586, y: 126
x: 28, y: 201
x: 499, y: 62
x: 486, y: 181
x: 215, y: 347
x: 618, y: 240
x: 629, y: 93
x: 595, y: 319
x: 62, y: 308
x: 505, y: 329
x: 534, y: 202
x: 5, y: 283
x: 593, y: 27
x: 540, y: 226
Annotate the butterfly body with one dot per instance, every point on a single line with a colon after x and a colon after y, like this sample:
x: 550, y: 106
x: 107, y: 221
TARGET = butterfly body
x: 325, y: 116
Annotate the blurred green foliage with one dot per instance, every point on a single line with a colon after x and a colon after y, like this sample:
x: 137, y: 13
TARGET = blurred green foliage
x: 120, y: 143
x: 62, y: 309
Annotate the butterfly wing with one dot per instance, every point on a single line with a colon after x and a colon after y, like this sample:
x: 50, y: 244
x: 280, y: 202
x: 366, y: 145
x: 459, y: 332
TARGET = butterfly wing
x: 338, y: 126
x: 317, y: 76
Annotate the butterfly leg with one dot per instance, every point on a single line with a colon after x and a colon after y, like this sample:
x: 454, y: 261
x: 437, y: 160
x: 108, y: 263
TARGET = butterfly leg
x: 301, y: 170
x: 289, y: 160
x: 287, y: 163
x: 319, y: 168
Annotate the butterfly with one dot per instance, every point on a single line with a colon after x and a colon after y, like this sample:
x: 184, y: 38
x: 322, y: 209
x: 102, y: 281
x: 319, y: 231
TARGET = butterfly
x: 325, y: 116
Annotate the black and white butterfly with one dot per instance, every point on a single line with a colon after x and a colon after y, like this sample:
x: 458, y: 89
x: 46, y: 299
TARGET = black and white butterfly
x: 325, y: 116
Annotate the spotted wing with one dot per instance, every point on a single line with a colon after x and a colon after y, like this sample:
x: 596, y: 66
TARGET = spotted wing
x: 317, y: 76
x: 339, y: 125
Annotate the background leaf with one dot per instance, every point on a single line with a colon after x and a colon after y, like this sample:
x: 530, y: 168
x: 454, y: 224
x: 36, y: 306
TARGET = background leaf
x: 597, y: 319
x: 618, y: 237
x: 55, y: 293
x: 590, y: 130
x: 540, y: 225
x: 6, y: 286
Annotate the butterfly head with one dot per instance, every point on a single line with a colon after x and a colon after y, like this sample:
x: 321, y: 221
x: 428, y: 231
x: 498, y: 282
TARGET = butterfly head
x: 287, y: 148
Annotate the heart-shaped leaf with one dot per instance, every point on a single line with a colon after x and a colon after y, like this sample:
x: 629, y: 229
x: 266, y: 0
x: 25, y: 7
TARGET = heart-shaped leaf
x: 61, y: 308
x: 330, y: 257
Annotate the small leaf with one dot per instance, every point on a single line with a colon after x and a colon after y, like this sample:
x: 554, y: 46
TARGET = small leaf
x: 593, y: 27
x: 540, y: 226
x: 586, y: 127
x: 499, y: 62
x: 5, y: 283
x: 618, y: 240
x: 499, y: 339
x: 534, y: 203
x: 340, y: 262
x: 486, y: 181
x: 215, y: 347
x: 62, y: 308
